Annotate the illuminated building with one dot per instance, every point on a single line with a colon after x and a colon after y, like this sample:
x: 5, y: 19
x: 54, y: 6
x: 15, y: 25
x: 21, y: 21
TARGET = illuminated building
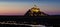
x: 35, y: 11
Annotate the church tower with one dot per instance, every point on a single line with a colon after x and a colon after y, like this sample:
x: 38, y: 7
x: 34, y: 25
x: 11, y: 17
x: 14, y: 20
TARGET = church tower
x: 35, y: 11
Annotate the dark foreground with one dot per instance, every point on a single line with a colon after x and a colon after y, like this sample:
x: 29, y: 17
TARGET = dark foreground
x: 42, y: 20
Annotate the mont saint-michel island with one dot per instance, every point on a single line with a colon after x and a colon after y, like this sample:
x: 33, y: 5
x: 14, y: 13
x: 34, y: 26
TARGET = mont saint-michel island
x: 35, y: 11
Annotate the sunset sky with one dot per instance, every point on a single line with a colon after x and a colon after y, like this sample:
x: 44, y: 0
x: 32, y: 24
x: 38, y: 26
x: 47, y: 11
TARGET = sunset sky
x: 20, y: 7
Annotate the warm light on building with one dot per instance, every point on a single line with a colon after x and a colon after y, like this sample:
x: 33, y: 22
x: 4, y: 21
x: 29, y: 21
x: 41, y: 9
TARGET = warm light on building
x: 35, y: 10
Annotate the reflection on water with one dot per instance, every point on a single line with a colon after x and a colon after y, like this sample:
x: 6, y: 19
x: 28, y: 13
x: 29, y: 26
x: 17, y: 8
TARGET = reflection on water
x: 37, y: 25
x: 20, y: 24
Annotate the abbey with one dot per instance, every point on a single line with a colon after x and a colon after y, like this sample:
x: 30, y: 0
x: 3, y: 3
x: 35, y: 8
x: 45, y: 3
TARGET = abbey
x: 35, y: 11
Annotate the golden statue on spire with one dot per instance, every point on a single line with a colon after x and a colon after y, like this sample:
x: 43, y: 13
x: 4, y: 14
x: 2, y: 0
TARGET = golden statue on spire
x: 35, y: 5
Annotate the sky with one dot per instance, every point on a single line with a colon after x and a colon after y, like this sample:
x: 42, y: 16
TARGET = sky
x: 20, y: 7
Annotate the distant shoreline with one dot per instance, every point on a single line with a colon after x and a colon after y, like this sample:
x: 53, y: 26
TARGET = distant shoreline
x: 23, y: 15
